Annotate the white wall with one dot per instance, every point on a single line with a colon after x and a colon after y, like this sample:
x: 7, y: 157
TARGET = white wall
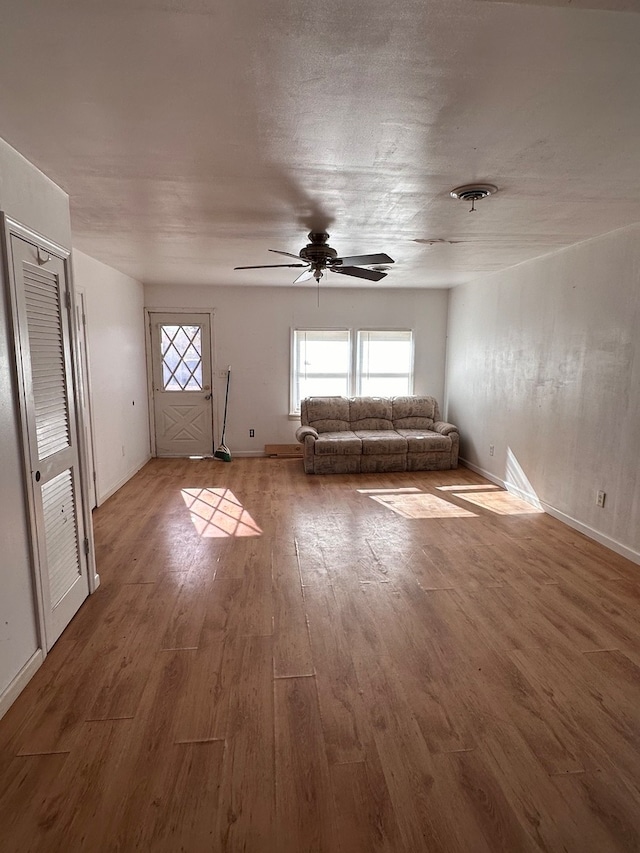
x: 544, y: 363
x: 117, y: 368
x: 29, y: 197
x: 252, y: 334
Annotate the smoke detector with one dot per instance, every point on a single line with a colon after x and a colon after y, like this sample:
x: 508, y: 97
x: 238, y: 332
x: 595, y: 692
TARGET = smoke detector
x: 473, y: 193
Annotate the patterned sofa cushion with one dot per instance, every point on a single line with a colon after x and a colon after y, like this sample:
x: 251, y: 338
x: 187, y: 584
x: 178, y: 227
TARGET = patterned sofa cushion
x: 325, y: 414
x: 366, y: 413
x: 342, y: 443
x: 414, y: 412
x: 379, y: 441
x: 423, y: 441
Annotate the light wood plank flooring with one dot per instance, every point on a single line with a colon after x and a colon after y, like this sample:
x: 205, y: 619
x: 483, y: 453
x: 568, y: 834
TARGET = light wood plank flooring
x: 284, y: 663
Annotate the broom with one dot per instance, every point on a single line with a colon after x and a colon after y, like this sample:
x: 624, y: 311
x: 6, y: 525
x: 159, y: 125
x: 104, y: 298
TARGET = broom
x: 223, y: 451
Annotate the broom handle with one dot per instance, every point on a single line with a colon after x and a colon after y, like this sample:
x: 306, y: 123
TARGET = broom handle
x: 226, y: 400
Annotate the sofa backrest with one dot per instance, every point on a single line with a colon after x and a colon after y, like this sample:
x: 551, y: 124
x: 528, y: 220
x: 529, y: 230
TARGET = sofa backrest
x: 335, y: 414
x: 325, y: 414
x: 370, y: 413
x: 414, y: 412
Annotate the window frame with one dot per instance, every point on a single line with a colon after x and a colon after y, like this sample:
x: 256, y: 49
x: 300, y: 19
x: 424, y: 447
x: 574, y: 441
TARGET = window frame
x: 294, y: 372
x: 357, y: 355
x: 354, y: 378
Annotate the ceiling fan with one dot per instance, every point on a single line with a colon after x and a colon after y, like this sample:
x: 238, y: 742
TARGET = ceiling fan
x: 318, y: 256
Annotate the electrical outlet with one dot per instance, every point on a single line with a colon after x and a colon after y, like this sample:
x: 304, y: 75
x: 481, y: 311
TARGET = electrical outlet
x: 252, y: 433
x: 491, y: 449
x: 600, y: 498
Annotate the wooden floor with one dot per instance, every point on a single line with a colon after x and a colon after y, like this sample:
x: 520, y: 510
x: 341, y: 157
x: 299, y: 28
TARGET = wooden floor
x: 284, y: 663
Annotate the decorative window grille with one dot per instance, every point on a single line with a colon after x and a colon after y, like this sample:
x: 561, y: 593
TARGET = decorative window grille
x: 181, y: 351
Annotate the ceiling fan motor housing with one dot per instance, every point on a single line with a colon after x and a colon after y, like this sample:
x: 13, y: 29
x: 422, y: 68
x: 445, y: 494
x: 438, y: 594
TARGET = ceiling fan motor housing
x: 317, y: 252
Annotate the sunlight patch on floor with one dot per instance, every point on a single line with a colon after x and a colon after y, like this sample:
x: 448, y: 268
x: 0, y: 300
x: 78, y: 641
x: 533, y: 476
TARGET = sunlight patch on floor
x: 403, y: 491
x: 502, y: 503
x: 421, y: 505
x: 217, y: 513
x: 411, y: 502
x: 474, y: 487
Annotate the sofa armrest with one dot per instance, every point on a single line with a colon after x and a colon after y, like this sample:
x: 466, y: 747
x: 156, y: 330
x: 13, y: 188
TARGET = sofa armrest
x: 444, y: 428
x: 303, y: 431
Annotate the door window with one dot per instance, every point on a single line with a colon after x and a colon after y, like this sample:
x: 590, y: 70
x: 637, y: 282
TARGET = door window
x: 181, y: 351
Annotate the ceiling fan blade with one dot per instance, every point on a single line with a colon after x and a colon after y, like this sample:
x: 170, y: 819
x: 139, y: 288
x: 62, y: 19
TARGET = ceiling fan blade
x: 363, y: 260
x: 288, y: 254
x: 269, y: 266
x: 370, y: 275
x: 304, y: 276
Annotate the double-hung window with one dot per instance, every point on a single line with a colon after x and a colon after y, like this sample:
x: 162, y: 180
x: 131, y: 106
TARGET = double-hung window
x: 321, y: 362
x: 333, y: 362
x: 384, y: 365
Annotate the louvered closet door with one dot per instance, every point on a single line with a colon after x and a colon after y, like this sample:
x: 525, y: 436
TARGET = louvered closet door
x: 43, y: 319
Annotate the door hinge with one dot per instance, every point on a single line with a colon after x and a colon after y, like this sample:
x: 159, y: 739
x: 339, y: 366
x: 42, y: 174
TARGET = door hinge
x: 86, y: 547
x: 67, y: 300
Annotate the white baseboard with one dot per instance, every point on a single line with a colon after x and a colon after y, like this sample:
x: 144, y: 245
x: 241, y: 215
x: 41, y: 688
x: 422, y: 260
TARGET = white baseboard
x: 100, y: 499
x: 591, y: 532
x: 240, y: 454
x: 486, y: 474
x: 15, y: 688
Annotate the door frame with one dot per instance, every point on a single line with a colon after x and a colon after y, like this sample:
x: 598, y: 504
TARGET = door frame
x: 10, y: 227
x: 87, y: 396
x: 209, y: 312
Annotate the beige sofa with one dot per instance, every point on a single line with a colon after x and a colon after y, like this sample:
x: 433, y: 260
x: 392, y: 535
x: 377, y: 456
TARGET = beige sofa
x: 375, y: 434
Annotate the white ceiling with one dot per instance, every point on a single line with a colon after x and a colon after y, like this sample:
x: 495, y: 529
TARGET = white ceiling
x: 193, y: 135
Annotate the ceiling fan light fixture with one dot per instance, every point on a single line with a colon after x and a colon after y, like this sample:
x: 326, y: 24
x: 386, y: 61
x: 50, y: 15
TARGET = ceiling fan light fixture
x: 473, y: 193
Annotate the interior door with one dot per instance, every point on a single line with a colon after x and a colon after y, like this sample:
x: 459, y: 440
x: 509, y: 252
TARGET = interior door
x: 42, y: 310
x: 182, y: 397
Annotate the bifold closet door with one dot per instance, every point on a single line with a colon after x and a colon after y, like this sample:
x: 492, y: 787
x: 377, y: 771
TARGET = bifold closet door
x: 42, y: 306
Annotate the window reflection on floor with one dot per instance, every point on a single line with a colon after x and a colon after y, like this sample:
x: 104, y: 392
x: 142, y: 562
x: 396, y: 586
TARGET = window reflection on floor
x: 414, y: 503
x: 421, y: 505
x: 475, y: 487
x: 218, y: 513
x: 502, y: 503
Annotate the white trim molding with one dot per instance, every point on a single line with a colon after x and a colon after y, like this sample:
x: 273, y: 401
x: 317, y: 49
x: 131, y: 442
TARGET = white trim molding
x: 101, y: 498
x: 15, y: 688
x: 585, y: 529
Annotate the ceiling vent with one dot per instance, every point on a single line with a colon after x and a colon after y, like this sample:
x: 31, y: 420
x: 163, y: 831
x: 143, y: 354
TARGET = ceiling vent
x: 473, y: 193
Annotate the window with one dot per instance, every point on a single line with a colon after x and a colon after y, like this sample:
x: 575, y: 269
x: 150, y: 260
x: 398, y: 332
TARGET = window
x: 321, y: 364
x: 385, y: 363
x: 325, y: 363
x: 180, y: 349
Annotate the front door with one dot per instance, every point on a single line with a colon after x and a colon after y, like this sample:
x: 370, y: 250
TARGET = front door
x: 182, y: 398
